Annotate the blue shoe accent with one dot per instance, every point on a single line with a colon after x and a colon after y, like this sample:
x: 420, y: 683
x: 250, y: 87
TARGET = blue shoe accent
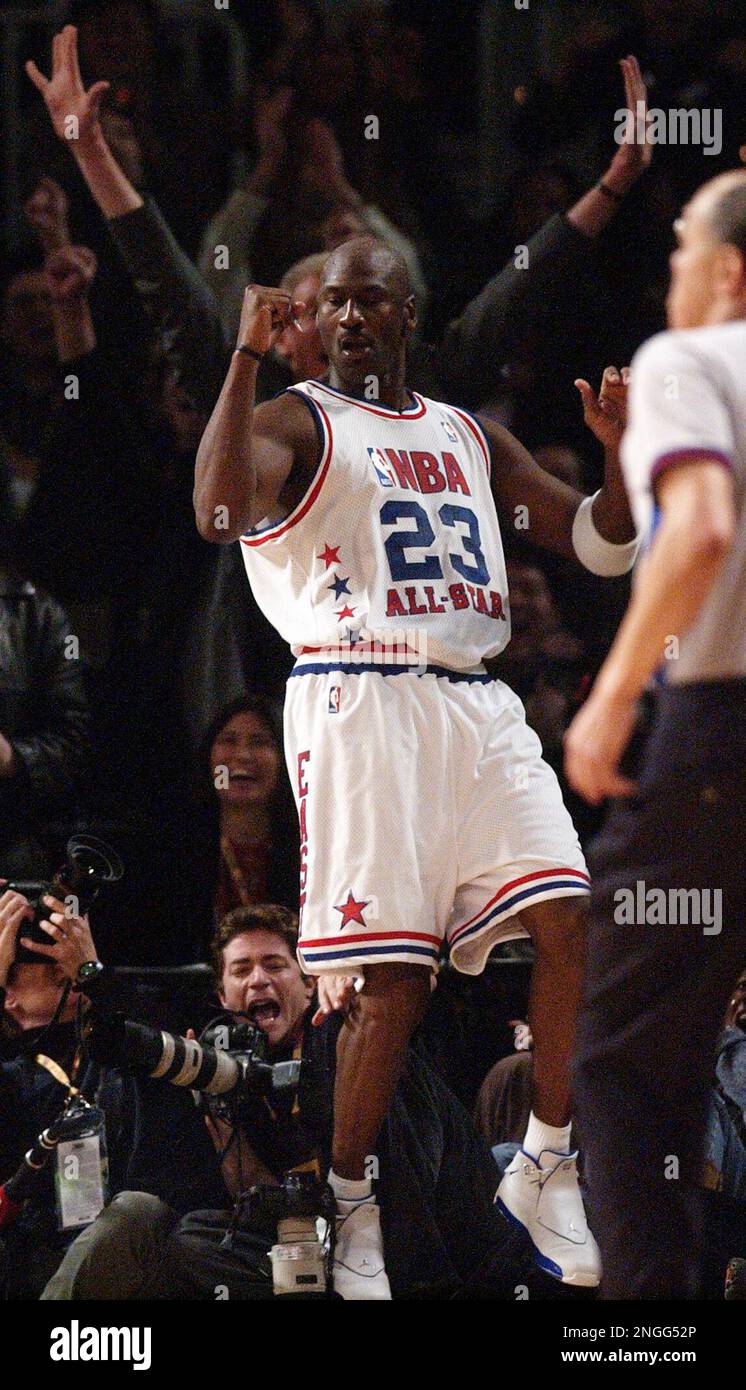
x: 545, y: 1264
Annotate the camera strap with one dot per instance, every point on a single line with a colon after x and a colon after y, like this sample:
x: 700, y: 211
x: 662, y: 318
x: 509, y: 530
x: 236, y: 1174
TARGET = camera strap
x: 58, y: 1072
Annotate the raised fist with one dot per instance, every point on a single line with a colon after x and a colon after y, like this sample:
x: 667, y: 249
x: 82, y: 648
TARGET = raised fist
x: 264, y: 314
x: 70, y: 273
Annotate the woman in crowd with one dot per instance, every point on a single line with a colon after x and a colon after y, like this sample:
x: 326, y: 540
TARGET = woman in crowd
x: 250, y: 818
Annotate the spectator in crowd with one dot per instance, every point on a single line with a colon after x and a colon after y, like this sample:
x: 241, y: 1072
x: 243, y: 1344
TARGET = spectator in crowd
x: 89, y: 419
x: 474, y: 345
x: 433, y: 1167
x: 133, y: 46
x: 543, y: 663
x: 258, y: 831
x: 28, y: 378
x: 243, y: 847
x: 128, y: 574
x: 44, y: 722
x: 299, y: 345
x: 187, y: 320
x: 276, y: 29
x: 330, y: 211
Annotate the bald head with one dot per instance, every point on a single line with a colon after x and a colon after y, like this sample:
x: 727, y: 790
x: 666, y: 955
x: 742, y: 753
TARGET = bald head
x: 365, y: 256
x: 708, y: 268
x: 722, y: 205
x: 365, y: 317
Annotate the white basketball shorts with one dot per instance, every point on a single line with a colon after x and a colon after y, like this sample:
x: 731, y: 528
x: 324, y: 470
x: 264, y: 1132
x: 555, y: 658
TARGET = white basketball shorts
x: 426, y: 814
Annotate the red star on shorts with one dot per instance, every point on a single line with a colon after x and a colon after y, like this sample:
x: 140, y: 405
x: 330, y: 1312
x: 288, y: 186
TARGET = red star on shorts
x: 344, y: 613
x: 352, y: 911
x: 330, y: 555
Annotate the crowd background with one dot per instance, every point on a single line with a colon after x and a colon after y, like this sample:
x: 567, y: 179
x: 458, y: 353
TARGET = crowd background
x: 133, y: 660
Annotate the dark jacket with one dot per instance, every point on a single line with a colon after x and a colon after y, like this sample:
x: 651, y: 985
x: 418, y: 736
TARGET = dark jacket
x: 43, y: 710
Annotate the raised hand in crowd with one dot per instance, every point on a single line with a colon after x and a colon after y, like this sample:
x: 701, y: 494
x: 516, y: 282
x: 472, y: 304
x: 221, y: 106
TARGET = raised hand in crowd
x: 70, y: 272
x: 46, y: 213
x: 66, y: 98
x: 271, y: 110
x: 598, y: 206
x: 605, y: 414
x: 74, y: 112
x: 632, y: 158
x: 324, y: 169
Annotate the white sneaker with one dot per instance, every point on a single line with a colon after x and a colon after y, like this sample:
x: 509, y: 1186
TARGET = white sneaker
x: 543, y: 1197
x: 359, y: 1273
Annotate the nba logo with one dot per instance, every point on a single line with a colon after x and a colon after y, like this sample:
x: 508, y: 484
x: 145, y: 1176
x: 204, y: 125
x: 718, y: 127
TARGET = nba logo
x: 381, y: 465
x: 334, y: 695
x: 450, y: 431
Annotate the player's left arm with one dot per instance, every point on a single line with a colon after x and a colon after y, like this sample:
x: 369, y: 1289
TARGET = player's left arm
x: 548, y: 511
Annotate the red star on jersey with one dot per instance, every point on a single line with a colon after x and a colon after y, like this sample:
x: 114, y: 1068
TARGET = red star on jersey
x: 352, y: 911
x: 344, y: 613
x: 330, y: 555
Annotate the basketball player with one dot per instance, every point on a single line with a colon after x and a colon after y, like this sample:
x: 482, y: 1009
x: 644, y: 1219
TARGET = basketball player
x: 659, y: 974
x: 368, y: 522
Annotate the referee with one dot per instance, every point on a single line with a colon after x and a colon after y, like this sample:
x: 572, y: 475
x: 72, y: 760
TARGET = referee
x: 668, y: 909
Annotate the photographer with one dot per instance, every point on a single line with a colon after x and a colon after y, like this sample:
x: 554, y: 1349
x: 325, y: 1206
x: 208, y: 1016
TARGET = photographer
x: 31, y: 990
x: 436, y: 1178
x: 39, y: 1063
x: 37, y: 1047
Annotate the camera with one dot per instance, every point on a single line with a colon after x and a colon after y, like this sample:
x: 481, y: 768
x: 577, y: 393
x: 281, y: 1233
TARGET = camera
x: 229, y: 1075
x: 300, y: 1259
x: 245, y: 1044
x: 89, y: 863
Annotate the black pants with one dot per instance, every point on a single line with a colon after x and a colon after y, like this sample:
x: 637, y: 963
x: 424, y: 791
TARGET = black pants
x: 656, y: 989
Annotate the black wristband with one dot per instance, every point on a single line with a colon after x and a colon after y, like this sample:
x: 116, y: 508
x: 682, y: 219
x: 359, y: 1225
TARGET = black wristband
x: 258, y: 356
x: 609, y: 192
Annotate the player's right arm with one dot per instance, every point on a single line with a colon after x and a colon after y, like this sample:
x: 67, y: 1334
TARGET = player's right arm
x: 253, y: 460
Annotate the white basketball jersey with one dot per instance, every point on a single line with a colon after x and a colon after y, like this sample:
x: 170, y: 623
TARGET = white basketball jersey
x: 396, y: 540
